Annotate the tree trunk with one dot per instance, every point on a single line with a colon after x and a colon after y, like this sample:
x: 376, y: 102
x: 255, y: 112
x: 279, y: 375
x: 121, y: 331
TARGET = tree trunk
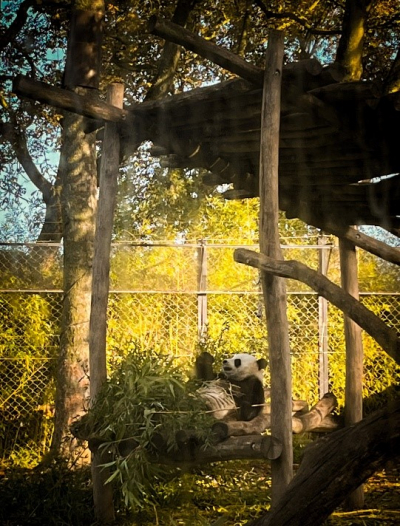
x: 78, y: 200
x: 78, y: 197
x: 350, y: 49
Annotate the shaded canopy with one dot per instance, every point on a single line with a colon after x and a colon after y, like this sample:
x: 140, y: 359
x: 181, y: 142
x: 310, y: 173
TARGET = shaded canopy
x: 335, y: 139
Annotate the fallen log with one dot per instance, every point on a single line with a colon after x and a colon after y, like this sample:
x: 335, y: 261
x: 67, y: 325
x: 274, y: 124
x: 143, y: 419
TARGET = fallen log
x: 334, y: 466
x: 314, y: 418
x: 367, y: 320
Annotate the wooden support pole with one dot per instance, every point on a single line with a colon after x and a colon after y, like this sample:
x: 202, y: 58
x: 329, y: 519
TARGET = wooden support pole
x: 102, y: 494
x: 354, y: 353
x: 274, y: 288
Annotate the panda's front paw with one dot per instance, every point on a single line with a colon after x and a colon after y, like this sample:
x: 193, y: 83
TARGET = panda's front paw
x: 247, y: 411
x: 220, y: 432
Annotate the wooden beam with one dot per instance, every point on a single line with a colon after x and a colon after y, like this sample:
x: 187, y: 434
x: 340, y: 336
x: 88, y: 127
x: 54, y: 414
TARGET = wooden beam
x: 367, y: 320
x: 274, y: 288
x: 63, y: 99
x: 100, y: 282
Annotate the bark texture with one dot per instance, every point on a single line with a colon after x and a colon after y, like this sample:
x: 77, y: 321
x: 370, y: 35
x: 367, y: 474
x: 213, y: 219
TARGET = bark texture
x: 78, y: 197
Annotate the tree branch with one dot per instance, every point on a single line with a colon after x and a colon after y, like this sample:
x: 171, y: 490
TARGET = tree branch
x: 51, y: 229
x: 367, y: 320
x: 162, y: 83
x: 24, y: 158
x: 17, y: 24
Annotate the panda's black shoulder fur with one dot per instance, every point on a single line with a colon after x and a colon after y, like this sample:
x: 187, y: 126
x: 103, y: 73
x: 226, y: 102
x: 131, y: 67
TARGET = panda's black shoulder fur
x: 251, y: 398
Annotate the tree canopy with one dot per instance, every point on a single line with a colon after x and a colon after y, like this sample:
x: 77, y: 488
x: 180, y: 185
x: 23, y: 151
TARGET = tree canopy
x: 33, y: 40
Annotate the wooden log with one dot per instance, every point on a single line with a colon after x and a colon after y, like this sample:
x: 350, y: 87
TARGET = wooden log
x: 367, y: 320
x: 333, y: 467
x: 249, y: 447
x: 92, y: 108
x: 274, y: 288
x: 192, y: 454
x: 315, y: 416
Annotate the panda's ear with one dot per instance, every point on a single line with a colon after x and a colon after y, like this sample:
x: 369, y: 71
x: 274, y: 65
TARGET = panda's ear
x: 262, y: 363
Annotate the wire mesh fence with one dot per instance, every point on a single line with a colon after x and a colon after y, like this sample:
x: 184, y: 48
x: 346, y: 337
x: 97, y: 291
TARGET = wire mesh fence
x: 172, y: 298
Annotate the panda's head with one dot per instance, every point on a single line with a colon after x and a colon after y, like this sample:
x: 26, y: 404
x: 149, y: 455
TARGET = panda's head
x: 242, y: 366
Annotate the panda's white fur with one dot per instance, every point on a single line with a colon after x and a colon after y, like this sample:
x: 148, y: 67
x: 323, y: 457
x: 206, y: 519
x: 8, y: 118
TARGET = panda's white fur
x: 242, y: 366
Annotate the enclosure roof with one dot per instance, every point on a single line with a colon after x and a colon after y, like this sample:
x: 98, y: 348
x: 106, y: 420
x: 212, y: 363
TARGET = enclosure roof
x: 335, y: 139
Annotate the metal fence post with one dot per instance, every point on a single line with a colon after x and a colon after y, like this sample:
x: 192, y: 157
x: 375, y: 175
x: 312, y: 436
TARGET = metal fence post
x: 323, y: 372
x: 201, y: 291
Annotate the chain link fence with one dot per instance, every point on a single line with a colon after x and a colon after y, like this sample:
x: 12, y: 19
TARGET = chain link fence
x: 171, y: 298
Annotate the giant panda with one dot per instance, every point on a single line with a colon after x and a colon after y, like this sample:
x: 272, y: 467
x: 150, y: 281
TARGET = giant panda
x: 246, y: 372
x: 236, y: 395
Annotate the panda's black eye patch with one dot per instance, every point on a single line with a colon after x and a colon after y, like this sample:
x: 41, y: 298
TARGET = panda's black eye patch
x: 238, y: 362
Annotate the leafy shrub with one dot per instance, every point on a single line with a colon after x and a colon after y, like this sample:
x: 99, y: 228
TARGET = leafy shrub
x: 146, y: 399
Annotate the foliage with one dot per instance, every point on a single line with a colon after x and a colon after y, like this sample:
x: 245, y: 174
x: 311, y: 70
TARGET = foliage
x: 146, y: 398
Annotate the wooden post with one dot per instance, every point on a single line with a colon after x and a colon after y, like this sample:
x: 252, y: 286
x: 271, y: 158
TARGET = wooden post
x: 274, y: 288
x: 354, y: 353
x: 102, y: 494
x: 323, y: 261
